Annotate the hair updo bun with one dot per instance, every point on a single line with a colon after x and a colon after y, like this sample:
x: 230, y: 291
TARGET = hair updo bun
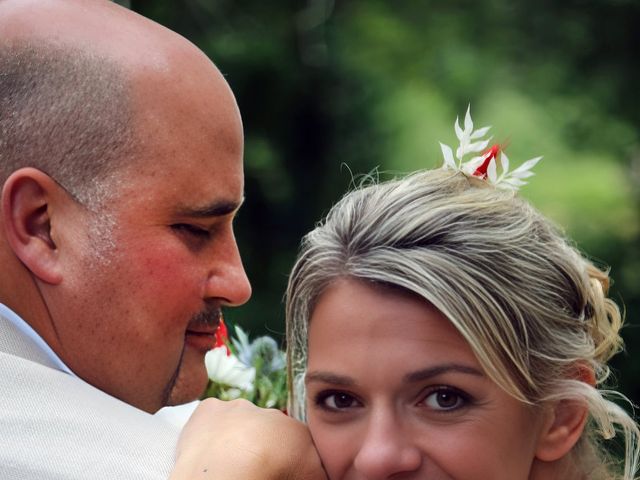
x: 603, y: 316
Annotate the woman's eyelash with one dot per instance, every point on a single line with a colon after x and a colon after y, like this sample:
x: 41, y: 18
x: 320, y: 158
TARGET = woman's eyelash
x: 444, y: 399
x: 438, y: 399
x: 336, y: 400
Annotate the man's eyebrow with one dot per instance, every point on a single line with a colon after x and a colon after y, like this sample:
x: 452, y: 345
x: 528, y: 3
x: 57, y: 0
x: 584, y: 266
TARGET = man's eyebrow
x: 215, y: 209
x: 428, y: 373
x: 328, y: 377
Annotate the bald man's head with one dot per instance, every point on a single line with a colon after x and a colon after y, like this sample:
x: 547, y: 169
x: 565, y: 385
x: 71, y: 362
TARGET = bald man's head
x: 123, y: 263
x: 72, y: 75
x: 64, y: 112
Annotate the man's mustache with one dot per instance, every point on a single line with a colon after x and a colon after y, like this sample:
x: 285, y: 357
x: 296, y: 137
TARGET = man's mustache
x: 209, y: 317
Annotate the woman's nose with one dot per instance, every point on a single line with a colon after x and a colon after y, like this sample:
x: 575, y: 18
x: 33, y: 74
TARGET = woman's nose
x: 386, y: 450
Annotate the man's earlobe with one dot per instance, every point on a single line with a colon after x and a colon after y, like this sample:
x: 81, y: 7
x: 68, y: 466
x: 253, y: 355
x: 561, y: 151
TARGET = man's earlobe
x: 26, y: 215
x: 564, y: 425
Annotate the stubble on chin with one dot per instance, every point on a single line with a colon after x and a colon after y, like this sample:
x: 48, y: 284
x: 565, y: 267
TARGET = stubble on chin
x: 188, y: 383
x: 189, y: 380
x: 168, y: 394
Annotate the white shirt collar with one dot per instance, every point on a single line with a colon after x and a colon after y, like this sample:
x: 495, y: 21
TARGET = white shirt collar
x: 37, y: 340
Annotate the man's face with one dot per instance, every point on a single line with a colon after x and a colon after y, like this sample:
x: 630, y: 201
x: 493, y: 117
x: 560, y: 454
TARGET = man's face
x: 136, y: 311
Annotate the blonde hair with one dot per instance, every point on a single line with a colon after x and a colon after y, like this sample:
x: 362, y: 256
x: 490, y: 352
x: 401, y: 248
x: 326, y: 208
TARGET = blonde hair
x: 532, y: 308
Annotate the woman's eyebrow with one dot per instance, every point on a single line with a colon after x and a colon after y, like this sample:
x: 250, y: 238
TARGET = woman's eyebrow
x: 328, y: 377
x: 428, y: 373
x: 417, y: 376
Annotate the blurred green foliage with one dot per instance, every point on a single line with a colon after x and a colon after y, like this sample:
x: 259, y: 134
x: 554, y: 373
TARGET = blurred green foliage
x: 328, y: 89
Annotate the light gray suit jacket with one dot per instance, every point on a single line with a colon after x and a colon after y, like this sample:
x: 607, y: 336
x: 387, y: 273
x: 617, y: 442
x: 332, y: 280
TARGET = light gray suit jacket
x: 54, y: 426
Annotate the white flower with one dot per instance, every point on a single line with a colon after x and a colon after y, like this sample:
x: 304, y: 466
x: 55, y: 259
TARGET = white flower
x: 486, y: 164
x: 228, y: 370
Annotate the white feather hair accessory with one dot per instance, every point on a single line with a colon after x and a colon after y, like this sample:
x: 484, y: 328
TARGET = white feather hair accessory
x: 485, y: 165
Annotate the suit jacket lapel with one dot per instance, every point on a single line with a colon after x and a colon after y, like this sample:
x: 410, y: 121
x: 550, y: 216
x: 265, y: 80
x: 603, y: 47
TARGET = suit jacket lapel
x: 55, y: 426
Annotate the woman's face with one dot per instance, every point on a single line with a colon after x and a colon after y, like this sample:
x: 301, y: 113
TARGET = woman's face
x: 394, y: 391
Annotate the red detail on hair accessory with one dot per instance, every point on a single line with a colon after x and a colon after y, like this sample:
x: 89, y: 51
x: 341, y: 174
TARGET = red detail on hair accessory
x: 489, y: 155
x: 222, y: 336
x: 484, y: 165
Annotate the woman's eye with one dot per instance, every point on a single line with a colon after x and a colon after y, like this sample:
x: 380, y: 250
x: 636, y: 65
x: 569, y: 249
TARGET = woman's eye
x: 337, y: 401
x: 445, y: 399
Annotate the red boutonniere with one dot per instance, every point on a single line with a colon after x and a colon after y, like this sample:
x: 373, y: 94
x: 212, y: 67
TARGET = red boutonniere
x: 222, y: 336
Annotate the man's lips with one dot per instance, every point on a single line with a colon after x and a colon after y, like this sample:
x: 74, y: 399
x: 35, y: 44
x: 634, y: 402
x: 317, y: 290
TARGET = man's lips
x: 203, y: 339
x: 202, y: 328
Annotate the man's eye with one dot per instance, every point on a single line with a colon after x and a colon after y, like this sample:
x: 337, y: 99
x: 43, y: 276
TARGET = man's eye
x: 446, y: 399
x: 334, y: 401
x: 191, y: 230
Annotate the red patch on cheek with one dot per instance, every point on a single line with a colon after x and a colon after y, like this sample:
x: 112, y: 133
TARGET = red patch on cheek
x: 163, y: 265
x: 165, y: 285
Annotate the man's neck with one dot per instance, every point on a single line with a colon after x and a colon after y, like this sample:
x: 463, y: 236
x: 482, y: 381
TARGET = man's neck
x: 19, y: 292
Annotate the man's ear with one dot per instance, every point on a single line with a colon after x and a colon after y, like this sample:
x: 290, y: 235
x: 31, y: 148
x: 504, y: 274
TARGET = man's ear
x: 563, y: 428
x: 27, y: 198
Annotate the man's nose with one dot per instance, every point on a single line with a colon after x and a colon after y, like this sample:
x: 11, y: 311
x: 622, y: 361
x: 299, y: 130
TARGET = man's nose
x: 386, y: 449
x: 227, y: 280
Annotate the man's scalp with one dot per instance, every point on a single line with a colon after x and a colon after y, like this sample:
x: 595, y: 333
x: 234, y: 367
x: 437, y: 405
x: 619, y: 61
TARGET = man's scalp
x: 65, y: 112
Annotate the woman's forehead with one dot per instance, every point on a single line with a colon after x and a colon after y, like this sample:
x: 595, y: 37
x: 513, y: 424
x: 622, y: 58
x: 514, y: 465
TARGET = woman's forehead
x: 353, y: 314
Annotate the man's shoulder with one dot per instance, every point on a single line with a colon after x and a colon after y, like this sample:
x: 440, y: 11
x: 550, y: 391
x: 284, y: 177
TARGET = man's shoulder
x: 57, y: 426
